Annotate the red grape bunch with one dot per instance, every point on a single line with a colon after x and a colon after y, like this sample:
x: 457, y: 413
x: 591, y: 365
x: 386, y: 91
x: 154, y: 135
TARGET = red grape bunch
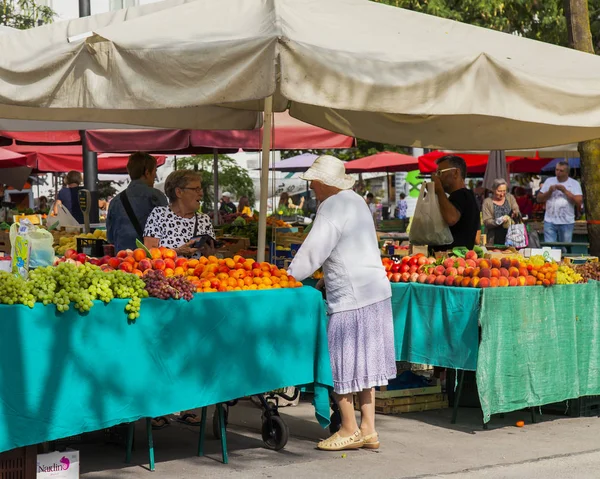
x: 162, y: 287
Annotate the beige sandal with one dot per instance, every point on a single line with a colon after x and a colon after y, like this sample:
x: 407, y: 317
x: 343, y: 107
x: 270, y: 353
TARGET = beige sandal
x: 371, y: 441
x: 339, y: 443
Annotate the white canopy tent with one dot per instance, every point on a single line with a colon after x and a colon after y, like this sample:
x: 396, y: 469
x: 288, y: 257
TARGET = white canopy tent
x: 352, y: 66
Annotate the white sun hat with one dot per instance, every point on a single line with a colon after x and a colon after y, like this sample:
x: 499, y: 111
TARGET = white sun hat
x: 227, y: 194
x: 331, y: 171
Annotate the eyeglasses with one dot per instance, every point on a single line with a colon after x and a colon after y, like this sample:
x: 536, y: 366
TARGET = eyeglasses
x: 197, y: 190
x: 439, y: 172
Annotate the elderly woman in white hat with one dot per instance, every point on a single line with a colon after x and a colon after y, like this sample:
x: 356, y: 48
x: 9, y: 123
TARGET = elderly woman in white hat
x: 360, y: 331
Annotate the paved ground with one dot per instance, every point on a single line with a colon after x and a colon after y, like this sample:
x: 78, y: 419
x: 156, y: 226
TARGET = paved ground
x: 419, y: 445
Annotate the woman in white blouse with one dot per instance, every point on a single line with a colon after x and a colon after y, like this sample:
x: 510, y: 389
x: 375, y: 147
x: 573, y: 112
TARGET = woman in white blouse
x: 175, y: 225
x: 360, y: 331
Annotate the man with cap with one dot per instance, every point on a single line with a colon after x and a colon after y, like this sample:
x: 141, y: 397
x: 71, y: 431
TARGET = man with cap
x: 227, y: 207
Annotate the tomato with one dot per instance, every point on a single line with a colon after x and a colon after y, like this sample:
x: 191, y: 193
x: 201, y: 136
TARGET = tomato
x: 405, y: 259
x: 404, y: 268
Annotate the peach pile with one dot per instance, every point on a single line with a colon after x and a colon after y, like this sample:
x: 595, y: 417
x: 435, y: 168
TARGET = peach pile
x: 208, y: 274
x: 471, y: 271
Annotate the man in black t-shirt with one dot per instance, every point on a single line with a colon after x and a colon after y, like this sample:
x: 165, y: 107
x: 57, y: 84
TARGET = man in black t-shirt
x: 459, y: 209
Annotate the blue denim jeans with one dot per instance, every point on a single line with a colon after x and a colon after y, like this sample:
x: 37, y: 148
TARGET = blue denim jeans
x: 558, y: 233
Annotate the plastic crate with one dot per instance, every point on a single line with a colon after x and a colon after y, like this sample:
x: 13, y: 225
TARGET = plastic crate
x: 91, y: 246
x: 586, y: 406
x: 19, y: 463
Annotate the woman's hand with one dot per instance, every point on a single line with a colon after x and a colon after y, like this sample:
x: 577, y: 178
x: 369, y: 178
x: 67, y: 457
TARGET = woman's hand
x: 186, y: 249
x: 209, y: 248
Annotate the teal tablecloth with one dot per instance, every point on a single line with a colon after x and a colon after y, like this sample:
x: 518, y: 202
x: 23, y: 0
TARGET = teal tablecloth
x: 538, y: 346
x: 65, y: 374
x: 436, y: 325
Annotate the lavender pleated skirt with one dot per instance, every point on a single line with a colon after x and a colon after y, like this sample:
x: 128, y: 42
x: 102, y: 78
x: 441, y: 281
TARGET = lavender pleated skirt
x: 361, y: 347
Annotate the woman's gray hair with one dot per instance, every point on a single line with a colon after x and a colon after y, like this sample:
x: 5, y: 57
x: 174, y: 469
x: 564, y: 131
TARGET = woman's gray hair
x: 179, y: 179
x: 498, y: 182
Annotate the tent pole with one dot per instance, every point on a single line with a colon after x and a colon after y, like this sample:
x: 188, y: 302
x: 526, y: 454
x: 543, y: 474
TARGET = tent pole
x: 216, y: 186
x: 264, y: 179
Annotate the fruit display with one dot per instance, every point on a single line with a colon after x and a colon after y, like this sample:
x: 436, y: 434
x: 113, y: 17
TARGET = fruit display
x: 64, y: 240
x: 472, y: 271
x: 277, y: 223
x: 588, y: 271
x: 567, y: 275
x: 68, y: 283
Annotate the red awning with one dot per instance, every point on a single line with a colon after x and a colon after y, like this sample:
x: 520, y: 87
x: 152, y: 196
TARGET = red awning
x: 476, y: 164
x: 386, y: 161
x: 64, y: 158
x: 288, y: 134
x: 11, y: 159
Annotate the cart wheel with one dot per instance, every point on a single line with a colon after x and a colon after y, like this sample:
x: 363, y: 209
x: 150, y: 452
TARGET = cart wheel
x: 215, y: 422
x: 335, y: 422
x: 279, y: 438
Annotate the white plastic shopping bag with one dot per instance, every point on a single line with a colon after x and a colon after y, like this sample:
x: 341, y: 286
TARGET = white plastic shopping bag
x: 428, y: 226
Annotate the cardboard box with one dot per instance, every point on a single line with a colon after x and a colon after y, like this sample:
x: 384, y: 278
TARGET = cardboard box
x: 414, y: 249
x: 58, y: 465
x: 554, y: 254
x: 232, y: 245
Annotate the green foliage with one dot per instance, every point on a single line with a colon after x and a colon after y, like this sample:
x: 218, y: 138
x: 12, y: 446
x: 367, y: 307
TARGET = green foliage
x: 232, y: 177
x: 541, y: 20
x: 363, y: 148
x: 24, y: 14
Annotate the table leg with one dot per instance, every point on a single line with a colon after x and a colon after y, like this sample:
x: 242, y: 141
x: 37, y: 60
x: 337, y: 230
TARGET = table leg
x: 202, y: 430
x: 458, y: 395
x: 150, y: 443
x: 130, y: 433
x: 533, y: 416
x: 223, y: 433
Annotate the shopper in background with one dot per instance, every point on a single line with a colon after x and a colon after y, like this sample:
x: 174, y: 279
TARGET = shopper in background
x: 68, y: 196
x: 524, y: 201
x: 129, y: 210
x: 459, y: 209
x: 244, y: 207
x: 360, y: 331
x: 227, y: 206
x: 498, y: 211
x: 562, y: 196
x: 402, y: 207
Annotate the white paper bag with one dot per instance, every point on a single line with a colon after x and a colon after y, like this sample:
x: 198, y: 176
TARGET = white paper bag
x: 58, y: 465
x: 428, y: 226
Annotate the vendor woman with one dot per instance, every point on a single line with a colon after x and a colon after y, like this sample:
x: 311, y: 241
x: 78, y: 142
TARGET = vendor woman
x: 360, y: 331
x: 175, y: 225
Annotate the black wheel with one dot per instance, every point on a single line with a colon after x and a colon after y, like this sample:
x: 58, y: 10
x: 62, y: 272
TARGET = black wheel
x: 275, y: 433
x: 215, y: 422
x: 335, y: 422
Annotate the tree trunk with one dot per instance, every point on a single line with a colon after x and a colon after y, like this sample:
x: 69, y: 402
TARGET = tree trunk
x: 580, y: 38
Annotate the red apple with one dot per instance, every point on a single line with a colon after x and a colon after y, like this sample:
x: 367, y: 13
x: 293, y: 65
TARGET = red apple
x: 169, y: 263
x: 70, y: 253
x: 396, y: 277
x: 81, y: 257
x: 106, y: 267
x: 158, y: 264
x: 413, y: 269
x: 122, y: 254
x: 105, y: 259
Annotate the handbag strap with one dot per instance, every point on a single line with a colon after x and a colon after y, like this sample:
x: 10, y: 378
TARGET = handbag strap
x: 129, y: 210
x: 195, y: 225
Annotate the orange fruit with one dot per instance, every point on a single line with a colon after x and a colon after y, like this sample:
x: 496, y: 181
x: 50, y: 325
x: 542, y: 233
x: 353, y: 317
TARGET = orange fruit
x: 232, y: 282
x: 257, y: 280
x: 240, y: 283
x: 179, y: 271
x: 230, y: 263
x: 213, y: 260
x: 192, y: 263
x: 248, y: 281
x: 253, y: 287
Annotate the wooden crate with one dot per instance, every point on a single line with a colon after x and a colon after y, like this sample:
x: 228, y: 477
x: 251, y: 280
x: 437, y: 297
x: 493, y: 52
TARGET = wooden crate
x: 5, y: 242
x: 401, y: 409
x: 399, y: 393
x: 19, y: 463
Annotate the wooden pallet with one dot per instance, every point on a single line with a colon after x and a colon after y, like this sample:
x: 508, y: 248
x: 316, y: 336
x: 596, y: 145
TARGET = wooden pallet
x: 412, y: 407
x: 384, y: 394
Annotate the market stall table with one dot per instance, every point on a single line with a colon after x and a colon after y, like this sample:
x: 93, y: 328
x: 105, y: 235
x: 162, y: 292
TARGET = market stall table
x: 63, y: 374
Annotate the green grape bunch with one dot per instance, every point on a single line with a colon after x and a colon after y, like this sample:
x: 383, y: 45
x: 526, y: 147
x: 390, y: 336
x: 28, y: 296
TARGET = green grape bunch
x: 67, y: 285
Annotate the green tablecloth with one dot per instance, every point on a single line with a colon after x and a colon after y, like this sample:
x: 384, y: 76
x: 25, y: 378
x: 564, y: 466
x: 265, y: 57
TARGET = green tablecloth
x: 538, y: 346
x: 65, y: 374
x: 436, y: 325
